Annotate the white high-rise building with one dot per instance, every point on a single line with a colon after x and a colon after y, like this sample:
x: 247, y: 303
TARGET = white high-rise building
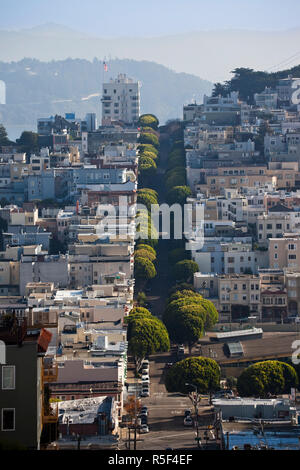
x: 120, y: 100
x: 2, y: 92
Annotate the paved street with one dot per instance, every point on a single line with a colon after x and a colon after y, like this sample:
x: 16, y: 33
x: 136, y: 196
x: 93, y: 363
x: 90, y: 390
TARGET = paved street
x: 166, y: 411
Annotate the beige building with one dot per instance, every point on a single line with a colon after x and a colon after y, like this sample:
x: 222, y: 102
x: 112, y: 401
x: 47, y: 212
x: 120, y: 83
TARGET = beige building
x: 284, y: 252
x: 239, y: 296
x: 24, y: 217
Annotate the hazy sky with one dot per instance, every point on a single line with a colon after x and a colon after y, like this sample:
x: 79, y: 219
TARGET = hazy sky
x: 151, y: 17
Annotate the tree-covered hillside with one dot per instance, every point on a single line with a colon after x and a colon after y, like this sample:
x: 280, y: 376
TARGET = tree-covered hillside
x: 248, y: 81
x: 39, y: 89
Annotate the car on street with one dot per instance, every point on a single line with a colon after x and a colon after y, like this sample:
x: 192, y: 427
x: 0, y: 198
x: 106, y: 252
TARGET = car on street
x: 144, y: 428
x: 187, y: 412
x: 144, y: 408
x: 145, y: 393
x: 145, y: 378
x: 144, y: 412
x: 143, y: 419
x: 188, y: 421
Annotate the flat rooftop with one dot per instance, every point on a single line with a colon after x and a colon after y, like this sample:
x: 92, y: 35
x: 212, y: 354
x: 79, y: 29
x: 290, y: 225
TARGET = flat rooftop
x: 273, y: 345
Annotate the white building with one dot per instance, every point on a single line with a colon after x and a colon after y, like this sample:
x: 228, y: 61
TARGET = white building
x: 2, y: 92
x: 120, y: 100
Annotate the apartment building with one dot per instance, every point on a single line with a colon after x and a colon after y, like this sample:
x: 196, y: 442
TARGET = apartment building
x: 284, y: 252
x: 120, y: 100
x: 22, y: 391
x: 278, y: 221
x: 239, y: 296
x: 38, y: 266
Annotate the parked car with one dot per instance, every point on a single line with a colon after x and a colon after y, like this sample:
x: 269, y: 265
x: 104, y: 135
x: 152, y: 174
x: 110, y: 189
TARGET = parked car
x: 144, y: 412
x: 144, y: 408
x: 145, y: 361
x: 143, y: 419
x: 144, y: 429
x: 145, y: 371
x: 145, y: 378
x: 187, y: 413
x: 145, y: 393
x: 188, y: 421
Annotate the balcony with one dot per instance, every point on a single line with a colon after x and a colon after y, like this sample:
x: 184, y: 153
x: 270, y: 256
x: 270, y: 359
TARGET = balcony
x: 49, y: 373
x: 50, y: 417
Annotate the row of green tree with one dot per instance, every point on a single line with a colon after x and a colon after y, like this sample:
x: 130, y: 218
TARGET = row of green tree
x: 145, y: 252
x: 182, y: 268
x: 260, y: 380
x: 148, y: 148
x: 175, y: 178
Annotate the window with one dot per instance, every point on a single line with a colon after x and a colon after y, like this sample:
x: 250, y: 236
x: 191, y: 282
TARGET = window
x: 8, y: 377
x: 8, y: 419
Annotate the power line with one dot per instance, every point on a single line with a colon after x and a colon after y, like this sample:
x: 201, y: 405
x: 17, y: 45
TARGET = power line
x: 285, y: 62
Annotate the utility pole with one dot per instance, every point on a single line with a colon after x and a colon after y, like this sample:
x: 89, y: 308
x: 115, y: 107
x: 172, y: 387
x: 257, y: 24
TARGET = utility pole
x: 129, y: 437
x: 195, y: 402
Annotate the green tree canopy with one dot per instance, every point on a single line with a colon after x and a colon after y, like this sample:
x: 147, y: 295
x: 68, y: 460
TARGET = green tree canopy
x: 146, y: 138
x: 147, y: 148
x: 149, y: 120
x: 267, y: 378
x: 178, y: 195
x: 185, y: 269
x: 178, y: 254
x: 146, y: 198
x: 175, y: 177
x: 144, y: 269
x: 4, y: 140
x: 146, y: 335
x: 148, y: 154
x: 142, y: 246
x: 28, y: 141
x: 202, y: 372
x: 185, y: 325
x: 147, y: 166
x: 196, y: 304
x: 140, y: 253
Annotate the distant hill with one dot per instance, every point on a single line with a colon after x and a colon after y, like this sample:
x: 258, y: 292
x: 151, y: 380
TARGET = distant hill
x: 40, y: 89
x: 211, y: 55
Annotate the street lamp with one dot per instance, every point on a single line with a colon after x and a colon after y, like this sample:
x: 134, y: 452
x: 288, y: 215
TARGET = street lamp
x: 195, y: 402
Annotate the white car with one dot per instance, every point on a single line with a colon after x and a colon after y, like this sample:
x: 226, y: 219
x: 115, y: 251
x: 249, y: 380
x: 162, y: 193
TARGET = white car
x: 145, y: 378
x: 144, y: 428
x: 188, y: 421
x: 145, y: 393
